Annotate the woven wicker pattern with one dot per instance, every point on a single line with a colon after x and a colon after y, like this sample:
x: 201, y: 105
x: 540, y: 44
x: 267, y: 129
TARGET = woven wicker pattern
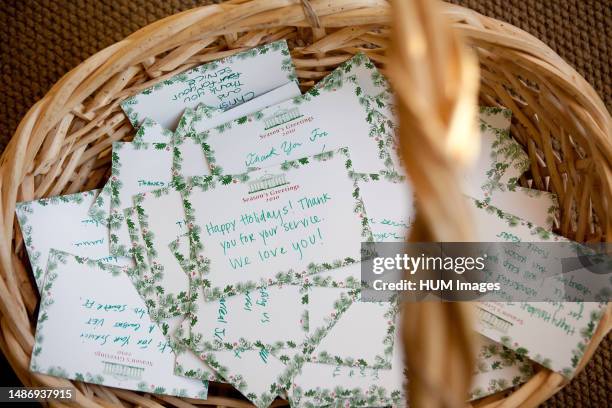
x: 585, y: 176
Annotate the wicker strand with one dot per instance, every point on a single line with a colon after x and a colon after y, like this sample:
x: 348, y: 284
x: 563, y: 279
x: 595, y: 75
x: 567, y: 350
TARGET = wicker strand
x: 436, y: 133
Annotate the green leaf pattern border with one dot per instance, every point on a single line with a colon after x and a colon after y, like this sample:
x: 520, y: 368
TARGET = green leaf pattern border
x: 55, y: 259
x: 382, y: 129
x: 24, y: 208
x: 294, y: 365
x: 286, y: 66
x: 116, y: 217
x: 147, y: 292
x: 494, y: 357
x: 205, y: 183
x: 506, y: 152
x: 544, y: 235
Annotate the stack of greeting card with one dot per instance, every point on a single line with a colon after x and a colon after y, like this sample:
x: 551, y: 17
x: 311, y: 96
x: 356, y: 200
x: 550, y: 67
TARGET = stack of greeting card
x: 225, y: 245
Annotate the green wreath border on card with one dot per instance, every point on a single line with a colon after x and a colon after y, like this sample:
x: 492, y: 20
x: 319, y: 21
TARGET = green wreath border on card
x: 381, y: 127
x: 55, y: 259
x: 190, y: 267
x: 98, y: 211
x: 139, y: 253
x: 506, y: 152
x: 293, y: 365
x: 163, y: 305
x: 494, y: 357
x: 205, y: 183
x: 25, y: 208
x: 286, y: 66
x: 116, y: 217
x: 544, y: 235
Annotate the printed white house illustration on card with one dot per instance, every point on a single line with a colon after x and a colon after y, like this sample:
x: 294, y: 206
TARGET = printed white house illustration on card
x: 280, y: 117
x: 267, y: 182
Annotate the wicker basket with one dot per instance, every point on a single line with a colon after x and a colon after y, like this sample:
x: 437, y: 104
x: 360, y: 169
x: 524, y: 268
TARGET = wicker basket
x: 63, y: 143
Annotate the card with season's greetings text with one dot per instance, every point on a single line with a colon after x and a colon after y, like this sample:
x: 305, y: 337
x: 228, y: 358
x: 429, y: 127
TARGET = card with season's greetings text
x: 63, y: 223
x: 94, y: 327
x: 222, y: 84
x: 189, y: 159
x: 140, y: 166
x: 497, y: 367
x: 571, y: 324
x: 338, y: 112
x: 297, y: 218
x: 253, y: 192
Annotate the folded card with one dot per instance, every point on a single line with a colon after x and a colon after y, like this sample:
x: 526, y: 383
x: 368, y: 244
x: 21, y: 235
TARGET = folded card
x: 222, y: 84
x: 63, y: 223
x: 93, y: 327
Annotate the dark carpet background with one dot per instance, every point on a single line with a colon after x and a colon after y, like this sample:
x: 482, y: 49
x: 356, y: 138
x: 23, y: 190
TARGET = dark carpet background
x: 42, y: 39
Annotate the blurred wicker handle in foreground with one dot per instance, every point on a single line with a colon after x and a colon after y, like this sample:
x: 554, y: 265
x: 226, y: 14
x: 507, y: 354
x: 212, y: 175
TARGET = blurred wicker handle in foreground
x: 435, y: 79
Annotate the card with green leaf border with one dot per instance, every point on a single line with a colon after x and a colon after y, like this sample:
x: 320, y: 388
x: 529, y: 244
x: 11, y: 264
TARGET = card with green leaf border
x: 497, y: 367
x: 150, y: 135
x: 222, y: 84
x: 135, y: 168
x: 359, y: 67
x: 358, y: 70
x: 93, y: 327
x: 187, y: 364
x: 139, y: 166
x: 331, y: 115
x: 187, y: 150
x: 263, y: 227
x: 514, y: 324
x: 263, y: 372
x: 501, y: 160
x: 41, y: 220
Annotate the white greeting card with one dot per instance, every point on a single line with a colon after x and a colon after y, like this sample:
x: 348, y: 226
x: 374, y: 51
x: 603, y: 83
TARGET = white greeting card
x: 390, y: 212
x: 189, y: 158
x: 63, y: 223
x: 390, y: 207
x: 136, y: 168
x: 514, y: 324
x: 222, y: 84
x: 263, y: 227
x: 187, y: 363
x: 539, y: 207
x: 323, y: 384
x: 93, y: 327
x: 273, y: 317
x: 263, y: 371
x: 336, y: 113
x: 140, y: 166
x: 151, y: 136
